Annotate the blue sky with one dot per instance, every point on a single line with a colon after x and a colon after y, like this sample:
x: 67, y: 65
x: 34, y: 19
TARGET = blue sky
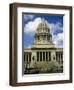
x: 31, y: 21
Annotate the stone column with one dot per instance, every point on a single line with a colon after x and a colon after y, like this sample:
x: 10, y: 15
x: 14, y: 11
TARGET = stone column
x: 48, y: 56
x: 46, y: 38
x: 24, y: 68
x: 57, y: 57
x: 39, y: 56
x: 24, y: 57
x: 60, y: 57
x: 53, y: 55
x: 28, y: 57
x: 25, y: 61
x: 42, y: 56
x: 45, y: 56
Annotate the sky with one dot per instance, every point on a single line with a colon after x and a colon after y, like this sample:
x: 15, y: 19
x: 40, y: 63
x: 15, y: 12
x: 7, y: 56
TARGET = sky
x: 31, y: 21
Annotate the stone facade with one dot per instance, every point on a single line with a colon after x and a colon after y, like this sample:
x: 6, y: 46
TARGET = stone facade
x: 43, y: 57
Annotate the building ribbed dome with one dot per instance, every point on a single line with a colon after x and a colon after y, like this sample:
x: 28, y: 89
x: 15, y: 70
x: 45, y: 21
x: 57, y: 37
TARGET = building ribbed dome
x: 43, y: 24
x: 43, y: 35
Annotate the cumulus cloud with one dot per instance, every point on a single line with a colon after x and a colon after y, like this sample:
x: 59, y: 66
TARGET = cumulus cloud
x: 56, y: 30
x: 55, y: 27
x: 31, y: 26
x: 58, y: 40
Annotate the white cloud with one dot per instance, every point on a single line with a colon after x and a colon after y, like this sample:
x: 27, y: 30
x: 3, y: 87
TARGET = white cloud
x: 54, y: 27
x: 58, y: 40
x: 28, y: 17
x: 31, y: 26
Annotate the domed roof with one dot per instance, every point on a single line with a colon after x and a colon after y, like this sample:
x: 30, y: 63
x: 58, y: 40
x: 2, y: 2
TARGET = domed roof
x: 43, y: 24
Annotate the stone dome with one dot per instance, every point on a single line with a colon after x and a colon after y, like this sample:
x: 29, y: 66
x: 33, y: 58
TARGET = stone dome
x: 43, y: 24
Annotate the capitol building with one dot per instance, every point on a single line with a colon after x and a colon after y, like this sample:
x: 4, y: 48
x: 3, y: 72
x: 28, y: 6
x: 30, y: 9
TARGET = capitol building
x: 43, y: 56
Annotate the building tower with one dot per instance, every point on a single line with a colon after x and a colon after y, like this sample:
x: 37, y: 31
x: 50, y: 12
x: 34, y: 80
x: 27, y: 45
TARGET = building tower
x: 43, y: 37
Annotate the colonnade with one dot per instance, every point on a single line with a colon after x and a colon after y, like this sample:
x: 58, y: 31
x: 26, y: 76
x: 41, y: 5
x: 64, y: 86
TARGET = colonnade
x: 59, y: 57
x: 27, y: 56
x: 43, y: 56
